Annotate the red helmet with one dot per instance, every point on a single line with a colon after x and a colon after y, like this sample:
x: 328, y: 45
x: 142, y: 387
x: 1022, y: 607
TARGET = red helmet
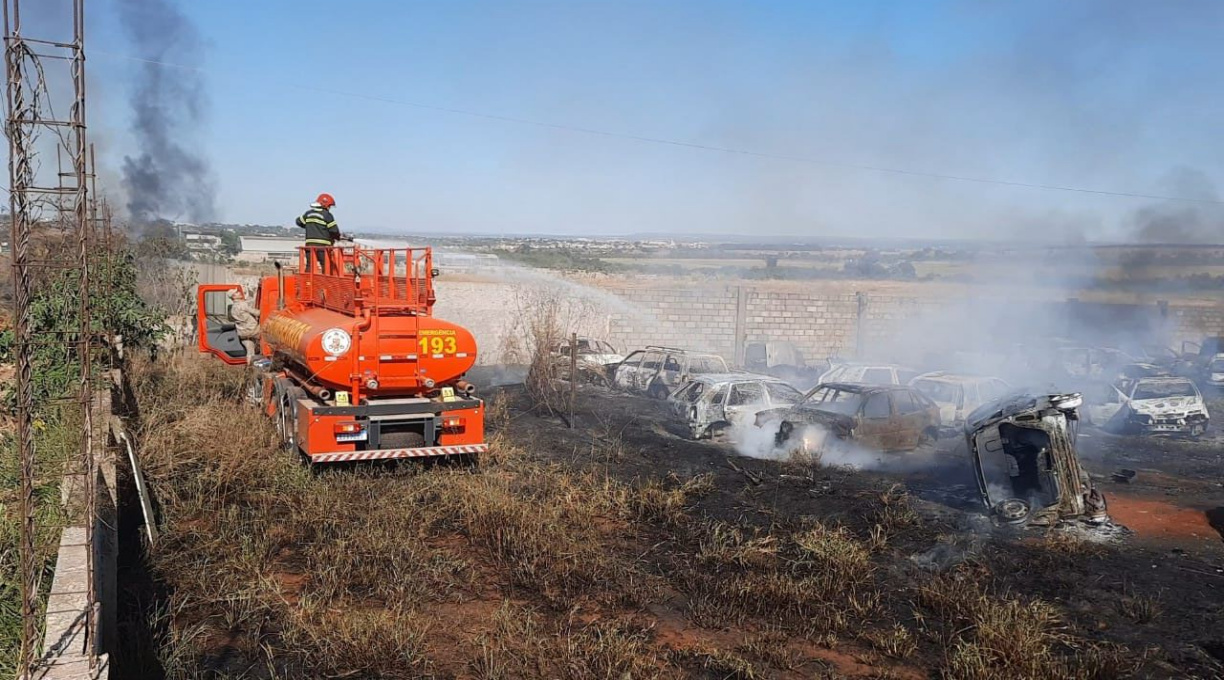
x: 326, y: 200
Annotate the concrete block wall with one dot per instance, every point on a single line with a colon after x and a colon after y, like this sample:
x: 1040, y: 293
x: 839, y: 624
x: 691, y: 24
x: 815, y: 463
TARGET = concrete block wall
x: 1194, y: 323
x: 716, y: 317
x: 819, y: 325
x: 700, y: 317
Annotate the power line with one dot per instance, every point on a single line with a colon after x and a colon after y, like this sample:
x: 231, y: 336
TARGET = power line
x: 702, y: 147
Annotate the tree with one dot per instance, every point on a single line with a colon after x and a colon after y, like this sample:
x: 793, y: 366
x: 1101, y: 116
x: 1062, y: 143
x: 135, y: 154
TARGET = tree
x: 231, y: 243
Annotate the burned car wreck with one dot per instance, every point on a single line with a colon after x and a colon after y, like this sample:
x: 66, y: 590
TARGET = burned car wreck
x: 880, y: 417
x: 1024, y: 458
x: 1149, y: 405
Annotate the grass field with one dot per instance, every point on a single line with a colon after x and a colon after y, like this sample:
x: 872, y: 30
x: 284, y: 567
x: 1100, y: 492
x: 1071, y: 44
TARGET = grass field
x: 588, y: 554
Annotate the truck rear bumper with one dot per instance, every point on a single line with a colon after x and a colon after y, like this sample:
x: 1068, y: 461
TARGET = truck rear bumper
x: 388, y: 454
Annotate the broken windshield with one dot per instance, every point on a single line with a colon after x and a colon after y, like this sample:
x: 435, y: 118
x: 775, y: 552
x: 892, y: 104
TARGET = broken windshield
x: 833, y: 400
x: 1163, y: 390
x: 781, y: 392
x: 942, y: 392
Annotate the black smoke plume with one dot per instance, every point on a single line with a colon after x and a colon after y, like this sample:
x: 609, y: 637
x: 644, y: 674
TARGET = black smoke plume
x: 1182, y: 223
x: 169, y: 177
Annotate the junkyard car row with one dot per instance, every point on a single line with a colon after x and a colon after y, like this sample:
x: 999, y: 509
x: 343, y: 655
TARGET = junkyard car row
x: 1021, y: 442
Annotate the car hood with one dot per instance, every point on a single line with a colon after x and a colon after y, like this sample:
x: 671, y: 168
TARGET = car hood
x: 600, y: 359
x: 1166, y: 405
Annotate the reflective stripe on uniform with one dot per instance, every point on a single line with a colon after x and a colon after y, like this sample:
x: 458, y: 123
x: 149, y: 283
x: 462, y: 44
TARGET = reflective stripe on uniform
x: 317, y: 242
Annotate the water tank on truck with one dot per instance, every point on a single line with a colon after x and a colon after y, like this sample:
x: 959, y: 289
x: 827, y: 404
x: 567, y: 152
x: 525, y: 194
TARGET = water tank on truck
x: 353, y: 364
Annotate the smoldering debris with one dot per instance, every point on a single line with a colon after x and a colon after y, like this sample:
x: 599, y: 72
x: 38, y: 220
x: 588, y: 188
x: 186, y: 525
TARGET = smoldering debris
x: 827, y: 450
x: 169, y: 177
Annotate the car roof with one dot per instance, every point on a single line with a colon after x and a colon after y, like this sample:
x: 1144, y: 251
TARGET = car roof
x: 944, y: 376
x: 867, y: 364
x: 863, y: 388
x: 716, y: 378
x: 1165, y: 379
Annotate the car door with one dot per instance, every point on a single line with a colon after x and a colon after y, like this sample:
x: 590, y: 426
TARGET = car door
x: 911, y: 420
x: 671, y: 368
x: 625, y: 377
x: 648, y: 370
x: 216, y: 332
x: 875, y: 428
x: 1103, y: 402
x: 743, y: 402
x: 682, y: 401
x: 709, y: 409
x: 970, y: 398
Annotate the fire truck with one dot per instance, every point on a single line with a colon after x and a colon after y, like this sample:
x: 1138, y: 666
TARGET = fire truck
x: 353, y: 365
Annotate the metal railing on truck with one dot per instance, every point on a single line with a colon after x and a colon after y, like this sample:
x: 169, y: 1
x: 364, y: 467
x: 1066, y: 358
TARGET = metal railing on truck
x: 348, y: 278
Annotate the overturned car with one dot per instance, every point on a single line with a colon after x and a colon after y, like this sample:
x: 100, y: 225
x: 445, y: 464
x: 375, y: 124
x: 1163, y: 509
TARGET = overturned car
x: 1024, y: 458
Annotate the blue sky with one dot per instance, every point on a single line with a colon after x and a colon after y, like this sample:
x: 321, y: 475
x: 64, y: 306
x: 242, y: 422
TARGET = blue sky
x: 1119, y: 95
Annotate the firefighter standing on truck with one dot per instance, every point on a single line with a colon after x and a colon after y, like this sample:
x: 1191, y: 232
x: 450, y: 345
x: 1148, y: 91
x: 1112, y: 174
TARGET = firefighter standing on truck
x: 321, y: 230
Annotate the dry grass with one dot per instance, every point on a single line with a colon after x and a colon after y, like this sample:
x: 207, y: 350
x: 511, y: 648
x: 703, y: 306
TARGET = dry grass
x: 1003, y: 636
x: 518, y: 568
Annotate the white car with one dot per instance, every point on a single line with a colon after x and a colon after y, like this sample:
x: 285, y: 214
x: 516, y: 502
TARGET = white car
x: 958, y: 395
x: 868, y: 374
x: 1149, y: 405
x: 714, y: 404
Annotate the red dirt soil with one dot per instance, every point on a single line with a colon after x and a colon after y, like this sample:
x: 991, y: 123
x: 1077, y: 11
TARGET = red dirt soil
x: 1156, y: 519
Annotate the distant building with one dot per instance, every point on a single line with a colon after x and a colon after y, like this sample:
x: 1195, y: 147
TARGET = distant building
x: 268, y: 249
x: 464, y: 262
x: 202, y: 243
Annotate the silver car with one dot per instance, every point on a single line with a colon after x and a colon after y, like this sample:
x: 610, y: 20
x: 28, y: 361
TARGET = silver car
x: 714, y: 404
x: 958, y: 395
x: 658, y: 371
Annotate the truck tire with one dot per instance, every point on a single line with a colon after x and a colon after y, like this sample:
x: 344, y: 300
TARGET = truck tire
x: 284, y: 400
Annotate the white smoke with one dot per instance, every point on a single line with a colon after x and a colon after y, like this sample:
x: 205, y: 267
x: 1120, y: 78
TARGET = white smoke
x: 818, y: 446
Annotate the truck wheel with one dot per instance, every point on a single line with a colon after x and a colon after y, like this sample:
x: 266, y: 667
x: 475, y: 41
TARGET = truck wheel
x: 289, y: 409
x: 657, y: 391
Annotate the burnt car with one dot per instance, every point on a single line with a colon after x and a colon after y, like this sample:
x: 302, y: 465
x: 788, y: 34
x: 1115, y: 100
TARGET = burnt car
x: 1101, y: 363
x: 883, y: 417
x: 596, y: 360
x: 1024, y: 458
x: 658, y: 371
x: 781, y: 360
x: 1148, y: 404
x: 958, y: 395
x: 713, y: 404
x: 868, y: 374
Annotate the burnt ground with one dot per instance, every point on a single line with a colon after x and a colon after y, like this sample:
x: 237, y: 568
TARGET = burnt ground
x: 1170, y: 555
x: 619, y: 549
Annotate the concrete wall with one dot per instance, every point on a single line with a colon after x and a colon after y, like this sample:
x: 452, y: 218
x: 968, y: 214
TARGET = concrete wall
x: 718, y: 317
x: 64, y: 654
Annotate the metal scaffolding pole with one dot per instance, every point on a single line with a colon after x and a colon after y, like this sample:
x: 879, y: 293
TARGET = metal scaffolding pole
x: 36, y: 204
